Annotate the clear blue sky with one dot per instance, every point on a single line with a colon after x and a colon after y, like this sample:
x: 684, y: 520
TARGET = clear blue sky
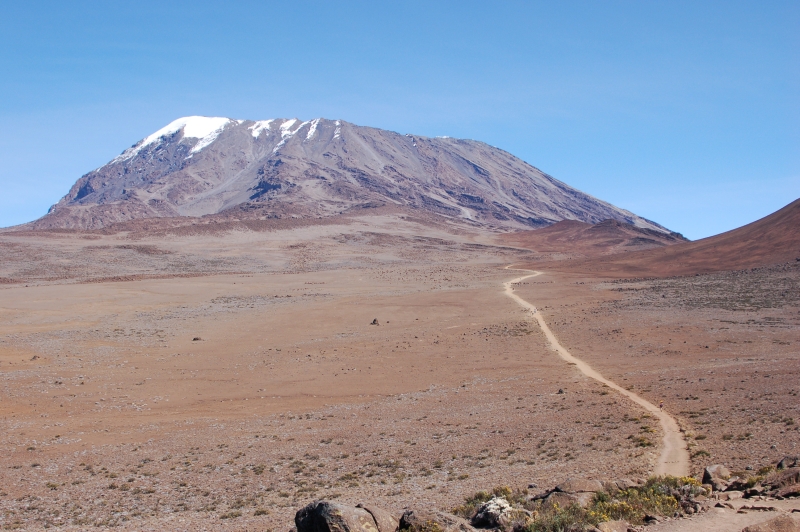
x: 687, y: 113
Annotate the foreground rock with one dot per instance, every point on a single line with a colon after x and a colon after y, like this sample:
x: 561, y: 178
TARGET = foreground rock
x: 782, y: 523
x: 324, y: 516
x: 717, y: 476
x: 493, y: 514
x: 613, y: 526
x: 432, y: 521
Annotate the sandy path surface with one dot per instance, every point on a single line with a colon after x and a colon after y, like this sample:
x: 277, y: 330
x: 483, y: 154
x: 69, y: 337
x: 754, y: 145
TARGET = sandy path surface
x: 674, y: 457
x: 730, y: 519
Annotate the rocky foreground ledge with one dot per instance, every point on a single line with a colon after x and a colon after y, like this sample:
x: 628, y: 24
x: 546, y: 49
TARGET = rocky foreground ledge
x: 579, y: 505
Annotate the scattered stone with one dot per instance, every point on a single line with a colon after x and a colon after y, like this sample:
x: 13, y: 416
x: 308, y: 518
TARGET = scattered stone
x: 375, y: 322
x: 196, y: 339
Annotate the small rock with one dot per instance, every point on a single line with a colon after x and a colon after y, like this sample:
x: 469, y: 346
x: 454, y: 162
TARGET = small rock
x: 755, y: 491
x: 731, y: 495
x: 375, y: 322
x: 788, y: 461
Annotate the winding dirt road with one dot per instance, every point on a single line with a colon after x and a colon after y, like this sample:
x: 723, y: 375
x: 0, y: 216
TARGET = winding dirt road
x: 674, y: 458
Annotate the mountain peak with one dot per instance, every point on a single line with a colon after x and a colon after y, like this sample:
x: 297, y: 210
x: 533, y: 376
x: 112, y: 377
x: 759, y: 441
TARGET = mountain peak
x: 198, y: 166
x: 204, y: 128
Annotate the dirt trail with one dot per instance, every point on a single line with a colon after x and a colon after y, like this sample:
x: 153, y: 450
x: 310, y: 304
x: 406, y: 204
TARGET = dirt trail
x: 674, y: 458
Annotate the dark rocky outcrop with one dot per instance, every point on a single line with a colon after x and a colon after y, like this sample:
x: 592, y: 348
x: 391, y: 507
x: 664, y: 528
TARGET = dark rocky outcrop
x: 325, y: 516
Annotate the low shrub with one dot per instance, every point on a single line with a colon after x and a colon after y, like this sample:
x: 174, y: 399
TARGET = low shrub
x: 658, y: 496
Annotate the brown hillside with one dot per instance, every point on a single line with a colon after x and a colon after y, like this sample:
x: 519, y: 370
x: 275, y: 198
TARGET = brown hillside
x: 591, y: 240
x: 771, y: 240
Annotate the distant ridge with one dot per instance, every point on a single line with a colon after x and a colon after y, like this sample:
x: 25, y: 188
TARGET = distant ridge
x: 288, y: 168
x: 774, y: 239
x: 604, y: 238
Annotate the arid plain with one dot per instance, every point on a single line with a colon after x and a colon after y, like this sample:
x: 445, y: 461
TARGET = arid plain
x: 220, y: 376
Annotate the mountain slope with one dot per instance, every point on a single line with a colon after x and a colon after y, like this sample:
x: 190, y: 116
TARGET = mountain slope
x: 605, y: 238
x: 199, y: 166
x: 774, y: 239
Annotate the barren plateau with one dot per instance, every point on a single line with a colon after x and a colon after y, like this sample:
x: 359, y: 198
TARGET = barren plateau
x: 221, y: 377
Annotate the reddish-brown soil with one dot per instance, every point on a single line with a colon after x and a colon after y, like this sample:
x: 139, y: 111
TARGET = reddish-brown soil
x: 578, y: 239
x: 222, y: 380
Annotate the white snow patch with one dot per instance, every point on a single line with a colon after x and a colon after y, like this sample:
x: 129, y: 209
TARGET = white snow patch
x: 287, y: 133
x: 287, y: 126
x: 338, y: 130
x: 312, y: 129
x: 260, y: 126
x: 205, y: 128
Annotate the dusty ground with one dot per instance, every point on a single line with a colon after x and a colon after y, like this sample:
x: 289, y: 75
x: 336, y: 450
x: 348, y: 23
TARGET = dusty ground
x: 220, y: 381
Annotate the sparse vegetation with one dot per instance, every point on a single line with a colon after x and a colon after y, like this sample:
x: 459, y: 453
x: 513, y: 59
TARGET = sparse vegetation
x: 658, y: 496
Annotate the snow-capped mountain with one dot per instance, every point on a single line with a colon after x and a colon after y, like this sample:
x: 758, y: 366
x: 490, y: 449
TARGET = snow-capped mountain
x: 198, y: 166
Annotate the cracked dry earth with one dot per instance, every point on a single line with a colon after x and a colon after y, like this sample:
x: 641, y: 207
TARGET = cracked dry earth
x: 235, y: 376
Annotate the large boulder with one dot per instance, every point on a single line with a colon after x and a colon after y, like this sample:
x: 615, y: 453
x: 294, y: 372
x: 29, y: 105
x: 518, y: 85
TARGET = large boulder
x: 782, y: 523
x: 386, y: 522
x: 325, y: 516
x: 494, y: 513
x: 432, y: 521
x: 717, y: 476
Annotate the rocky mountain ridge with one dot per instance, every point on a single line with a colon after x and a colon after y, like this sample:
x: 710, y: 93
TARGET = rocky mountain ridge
x: 198, y: 166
